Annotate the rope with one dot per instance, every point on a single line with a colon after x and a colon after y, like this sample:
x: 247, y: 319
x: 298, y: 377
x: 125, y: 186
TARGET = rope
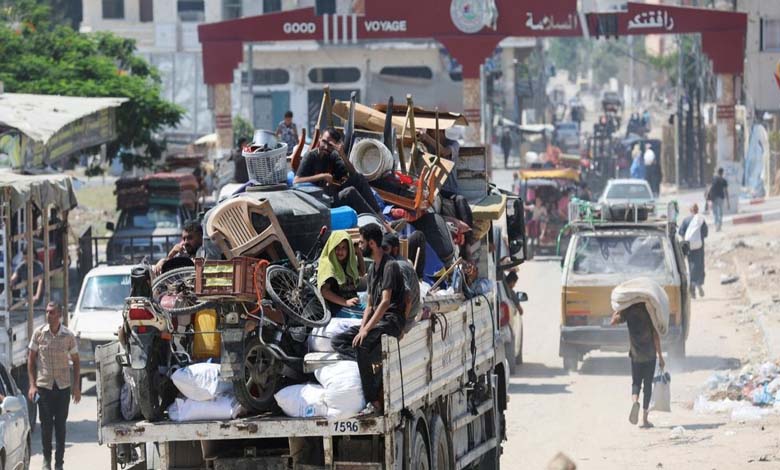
x: 405, y: 412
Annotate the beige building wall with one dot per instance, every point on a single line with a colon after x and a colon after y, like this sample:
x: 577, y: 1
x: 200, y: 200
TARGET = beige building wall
x: 761, y: 88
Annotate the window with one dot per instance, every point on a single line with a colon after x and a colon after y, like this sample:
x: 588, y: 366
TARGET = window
x: 423, y: 72
x: 149, y: 218
x: 770, y: 35
x: 334, y: 75
x: 113, y: 9
x: 191, y: 10
x: 146, y: 10
x: 271, y: 6
x: 626, y: 254
x: 270, y: 77
x: 106, y: 292
x: 231, y: 9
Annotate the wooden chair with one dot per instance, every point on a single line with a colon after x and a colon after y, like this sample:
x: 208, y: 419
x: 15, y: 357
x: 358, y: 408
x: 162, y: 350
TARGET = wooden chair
x: 231, y: 228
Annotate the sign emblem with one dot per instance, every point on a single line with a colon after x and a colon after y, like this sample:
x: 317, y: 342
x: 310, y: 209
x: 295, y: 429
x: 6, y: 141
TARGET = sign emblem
x: 468, y: 15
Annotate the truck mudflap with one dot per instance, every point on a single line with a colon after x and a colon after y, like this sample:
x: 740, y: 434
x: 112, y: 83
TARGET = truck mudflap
x: 140, y: 345
x: 232, y: 352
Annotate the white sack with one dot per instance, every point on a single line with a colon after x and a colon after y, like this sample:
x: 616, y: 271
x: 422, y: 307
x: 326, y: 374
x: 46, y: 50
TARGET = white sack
x: 302, y: 401
x: 662, y: 392
x: 223, y: 407
x: 200, y: 381
x: 320, y: 338
x: 649, y: 292
x: 343, y: 389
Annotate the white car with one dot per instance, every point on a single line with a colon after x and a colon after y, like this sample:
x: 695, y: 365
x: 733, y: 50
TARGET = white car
x: 98, y: 312
x: 14, y: 425
x: 627, y: 191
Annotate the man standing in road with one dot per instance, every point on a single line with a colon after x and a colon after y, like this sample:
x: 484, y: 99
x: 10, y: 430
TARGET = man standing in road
x: 694, y: 230
x: 384, y: 314
x: 506, y: 145
x: 719, y: 191
x: 50, y: 380
x: 287, y: 132
x: 645, y: 344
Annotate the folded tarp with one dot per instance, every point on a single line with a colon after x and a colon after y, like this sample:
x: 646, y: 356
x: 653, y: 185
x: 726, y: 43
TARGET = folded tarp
x: 649, y: 292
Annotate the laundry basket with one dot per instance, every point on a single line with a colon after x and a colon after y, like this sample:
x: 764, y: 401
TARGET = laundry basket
x: 267, y: 166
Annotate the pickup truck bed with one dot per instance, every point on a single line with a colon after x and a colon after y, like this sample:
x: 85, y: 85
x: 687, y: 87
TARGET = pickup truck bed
x: 435, y: 361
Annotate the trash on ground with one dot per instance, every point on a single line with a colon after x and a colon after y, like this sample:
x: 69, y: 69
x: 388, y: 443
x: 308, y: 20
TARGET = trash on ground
x: 747, y: 395
x: 677, y: 433
x: 728, y: 279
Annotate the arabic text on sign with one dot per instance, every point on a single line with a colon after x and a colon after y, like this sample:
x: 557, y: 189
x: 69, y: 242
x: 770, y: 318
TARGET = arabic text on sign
x: 652, y: 20
x: 547, y: 23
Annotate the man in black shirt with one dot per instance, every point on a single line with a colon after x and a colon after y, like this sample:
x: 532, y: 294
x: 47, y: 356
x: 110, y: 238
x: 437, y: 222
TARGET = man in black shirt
x: 384, y: 314
x: 644, y: 345
x: 719, y: 191
x: 324, y: 167
x: 240, y: 171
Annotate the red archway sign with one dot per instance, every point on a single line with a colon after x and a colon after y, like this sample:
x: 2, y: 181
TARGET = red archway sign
x: 469, y: 29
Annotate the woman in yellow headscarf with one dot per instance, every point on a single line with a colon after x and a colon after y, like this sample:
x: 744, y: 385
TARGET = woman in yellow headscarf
x: 338, y: 274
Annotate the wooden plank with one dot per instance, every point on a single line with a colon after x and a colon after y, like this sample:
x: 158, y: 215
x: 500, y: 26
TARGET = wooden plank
x: 28, y: 222
x: 47, y: 261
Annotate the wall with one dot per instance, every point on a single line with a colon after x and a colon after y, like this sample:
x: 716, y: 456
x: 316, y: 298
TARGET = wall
x: 761, y: 90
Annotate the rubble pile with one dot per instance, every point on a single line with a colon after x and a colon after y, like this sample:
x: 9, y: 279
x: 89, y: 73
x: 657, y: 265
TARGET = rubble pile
x: 747, y: 395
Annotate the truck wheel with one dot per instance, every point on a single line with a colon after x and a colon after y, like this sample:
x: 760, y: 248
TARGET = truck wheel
x: 677, y: 351
x: 419, y: 458
x: 257, y: 384
x: 510, y: 353
x: 441, y: 455
x: 570, y: 363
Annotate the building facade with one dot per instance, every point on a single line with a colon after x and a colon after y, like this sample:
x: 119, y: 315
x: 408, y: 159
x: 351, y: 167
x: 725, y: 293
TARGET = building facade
x: 762, y: 55
x: 284, y: 76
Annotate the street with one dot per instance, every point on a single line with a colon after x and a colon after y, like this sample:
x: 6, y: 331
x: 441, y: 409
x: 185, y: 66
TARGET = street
x: 585, y: 414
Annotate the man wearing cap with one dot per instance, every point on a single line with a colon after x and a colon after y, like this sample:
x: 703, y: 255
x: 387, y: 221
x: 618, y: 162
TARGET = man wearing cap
x: 392, y: 247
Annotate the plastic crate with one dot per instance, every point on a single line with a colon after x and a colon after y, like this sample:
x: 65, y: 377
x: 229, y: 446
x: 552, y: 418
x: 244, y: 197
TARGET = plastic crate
x: 267, y: 167
x: 233, y: 278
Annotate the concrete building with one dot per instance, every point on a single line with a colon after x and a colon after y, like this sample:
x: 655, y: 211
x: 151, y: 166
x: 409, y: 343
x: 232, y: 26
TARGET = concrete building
x: 287, y: 75
x: 762, y: 55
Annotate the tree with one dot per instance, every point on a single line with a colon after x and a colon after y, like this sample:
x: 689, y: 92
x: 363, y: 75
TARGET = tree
x: 37, y: 56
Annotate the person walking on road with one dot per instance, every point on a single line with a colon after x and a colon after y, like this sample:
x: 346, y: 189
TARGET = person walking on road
x: 719, y: 191
x: 51, y: 346
x: 694, y: 230
x: 645, y: 345
x: 506, y: 146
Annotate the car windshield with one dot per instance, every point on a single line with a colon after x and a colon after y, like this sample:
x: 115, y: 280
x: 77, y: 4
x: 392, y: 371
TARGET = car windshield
x: 150, y: 218
x: 624, y: 254
x: 629, y: 191
x: 106, y: 292
x: 569, y: 126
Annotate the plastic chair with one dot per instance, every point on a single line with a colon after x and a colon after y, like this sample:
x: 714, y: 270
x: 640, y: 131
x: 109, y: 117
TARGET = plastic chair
x: 231, y: 228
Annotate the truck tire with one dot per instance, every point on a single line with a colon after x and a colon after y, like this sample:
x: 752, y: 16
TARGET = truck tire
x: 441, y: 450
x: 677, y: 350
x: 570, y: 363
x: 259, y: 379
x: 420, y: 456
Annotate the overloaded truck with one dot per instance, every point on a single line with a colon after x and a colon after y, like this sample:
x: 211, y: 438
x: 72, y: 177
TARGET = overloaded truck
x: 444, y: 382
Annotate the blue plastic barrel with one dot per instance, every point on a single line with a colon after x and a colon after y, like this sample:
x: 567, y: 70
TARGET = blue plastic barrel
x: 342, y: 218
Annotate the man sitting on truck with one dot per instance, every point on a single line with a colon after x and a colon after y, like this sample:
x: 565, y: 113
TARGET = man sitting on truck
x: 384, y: 314
x: 325, y: 167
x: 191, y: 241
x: 392, y: 246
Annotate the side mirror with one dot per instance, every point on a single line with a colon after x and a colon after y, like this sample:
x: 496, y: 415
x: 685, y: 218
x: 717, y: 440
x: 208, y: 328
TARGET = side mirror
x: 12, y: 404
x: 522, y: 297
x: 110, y: 226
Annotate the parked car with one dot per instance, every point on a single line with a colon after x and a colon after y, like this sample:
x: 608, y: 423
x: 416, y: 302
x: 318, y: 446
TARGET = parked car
x: 567, y: 136
x: 15, y: 428
x: 98, y: 313
x: 146, y: 231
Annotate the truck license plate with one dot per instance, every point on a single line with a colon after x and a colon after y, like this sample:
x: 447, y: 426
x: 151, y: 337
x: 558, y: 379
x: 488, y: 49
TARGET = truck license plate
x: 351, y: 426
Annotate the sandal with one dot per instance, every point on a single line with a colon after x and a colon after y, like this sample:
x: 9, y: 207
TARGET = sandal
x: 633, y: 417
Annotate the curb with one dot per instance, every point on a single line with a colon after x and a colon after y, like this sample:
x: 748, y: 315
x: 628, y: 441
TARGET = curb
x: 758, y: 218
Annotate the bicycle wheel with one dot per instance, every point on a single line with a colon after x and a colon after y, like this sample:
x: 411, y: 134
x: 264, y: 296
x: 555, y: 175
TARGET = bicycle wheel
x: 169, y: 282
x: 303, y: 304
